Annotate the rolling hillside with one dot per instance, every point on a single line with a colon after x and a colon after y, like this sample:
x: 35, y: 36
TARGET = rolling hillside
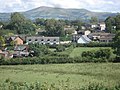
x: 60, y: 13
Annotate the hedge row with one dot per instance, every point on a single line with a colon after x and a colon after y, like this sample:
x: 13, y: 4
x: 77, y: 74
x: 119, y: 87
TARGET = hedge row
x: 52, y: 60
x: 92, y: 44
x: 95, y: 44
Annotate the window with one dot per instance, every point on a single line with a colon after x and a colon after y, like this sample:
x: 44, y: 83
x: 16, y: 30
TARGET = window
x: 48, y: 40
x: 54, y: 39
x: 104, y: 40
x: 35, y: 39
x: 42, y: 40
x: 29, y: 40
x: 110, y: 40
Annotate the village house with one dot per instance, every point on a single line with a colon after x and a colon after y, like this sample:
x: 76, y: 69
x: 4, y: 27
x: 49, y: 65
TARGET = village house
x: 6, y: 54
x: 42, y: 40
x: 93, y: 26
x: 83, y: 27
x: 21, y: 51
x: 17, y: 40
x: 101, y: 37
x: 100, y: 26
x: 84, y: 32
x: 82, y: 39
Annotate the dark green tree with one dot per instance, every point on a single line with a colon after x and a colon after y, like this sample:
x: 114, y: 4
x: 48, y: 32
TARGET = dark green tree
x: 19, y: 23
x: 38, y: 49
x: 54, y: 28
x: 117, y: 22
x: 77, y: 23
x: 40, y: 21
x: 110, y: 22
x: 116, y: 44
x: 60, y: 48
x: 94, y: 20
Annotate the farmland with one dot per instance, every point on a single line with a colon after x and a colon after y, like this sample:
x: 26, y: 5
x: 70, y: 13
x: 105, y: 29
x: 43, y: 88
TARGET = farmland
x: 78, y: 50
x: 77, y: 75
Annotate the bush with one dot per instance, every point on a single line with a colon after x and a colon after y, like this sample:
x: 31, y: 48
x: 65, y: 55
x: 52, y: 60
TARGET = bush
x: 100, y: 55
x: 60, y: 48
x: 39, y: 50
x: 117, y: 59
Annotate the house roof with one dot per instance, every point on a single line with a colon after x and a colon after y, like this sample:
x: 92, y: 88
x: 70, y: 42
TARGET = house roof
x: 20, y: 47
x: 86, y: 38
x: 83, y: 37
x: 101, y: 34
x: 14, y: 37
x: 45, y: 38
x: 0, y: 51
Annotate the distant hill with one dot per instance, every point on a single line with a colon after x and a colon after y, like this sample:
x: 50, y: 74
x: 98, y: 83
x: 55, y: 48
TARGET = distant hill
x: 60, y: 13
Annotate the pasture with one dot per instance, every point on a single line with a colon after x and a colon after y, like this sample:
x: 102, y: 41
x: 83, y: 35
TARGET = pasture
x: 76, y: 75
x: 78, y: 51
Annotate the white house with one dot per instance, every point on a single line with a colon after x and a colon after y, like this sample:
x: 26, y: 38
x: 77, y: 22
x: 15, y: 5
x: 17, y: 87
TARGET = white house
x: 102, y: 26
x: 83, y: 39
x: 93, y: 26
x: 87, y: 32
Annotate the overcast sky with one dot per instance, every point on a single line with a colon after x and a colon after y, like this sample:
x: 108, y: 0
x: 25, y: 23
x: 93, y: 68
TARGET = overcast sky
x: 93, y: 5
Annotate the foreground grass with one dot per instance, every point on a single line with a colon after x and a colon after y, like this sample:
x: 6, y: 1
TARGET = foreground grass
x: 78, y: 75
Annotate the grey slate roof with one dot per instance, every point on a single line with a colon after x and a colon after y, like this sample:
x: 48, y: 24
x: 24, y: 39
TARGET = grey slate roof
x: 76, y: 37
x: 20, y: 47
x: 43, y: 38
x: 86, y: 38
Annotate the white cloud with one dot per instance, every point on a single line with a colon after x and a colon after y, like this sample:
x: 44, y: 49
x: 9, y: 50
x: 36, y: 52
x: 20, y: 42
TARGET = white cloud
x: 94, y: 5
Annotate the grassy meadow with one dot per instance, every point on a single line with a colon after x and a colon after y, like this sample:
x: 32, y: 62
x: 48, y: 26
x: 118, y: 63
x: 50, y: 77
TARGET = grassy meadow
x: 78, y: 51
x: 61, y: 76
x: 76, y: 75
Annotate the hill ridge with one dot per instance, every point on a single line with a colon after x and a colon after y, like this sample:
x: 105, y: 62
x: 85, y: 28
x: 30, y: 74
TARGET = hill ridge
x: 60, y: 13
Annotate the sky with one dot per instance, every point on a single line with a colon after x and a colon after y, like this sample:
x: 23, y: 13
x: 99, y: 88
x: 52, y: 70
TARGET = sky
x: 92, y: 5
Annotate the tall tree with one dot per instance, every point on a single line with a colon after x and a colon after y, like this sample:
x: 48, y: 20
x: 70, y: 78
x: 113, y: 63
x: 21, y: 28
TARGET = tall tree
x: 110, y: 22
x: 19, y: 23
x: 54, y: 27
x: 94, y: 20
x: 117, y: 22
x: 116, y: 44
x: 77, y: 23
x: 40, y: 21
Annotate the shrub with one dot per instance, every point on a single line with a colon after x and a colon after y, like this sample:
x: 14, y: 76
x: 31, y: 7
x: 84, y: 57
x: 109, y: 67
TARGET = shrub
x: 38, y: 49
x: 60, y: 48
x: 100, y: 55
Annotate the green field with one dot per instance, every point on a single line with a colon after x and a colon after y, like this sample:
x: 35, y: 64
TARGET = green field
x: 76, y: 75
x: 78, y: 51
